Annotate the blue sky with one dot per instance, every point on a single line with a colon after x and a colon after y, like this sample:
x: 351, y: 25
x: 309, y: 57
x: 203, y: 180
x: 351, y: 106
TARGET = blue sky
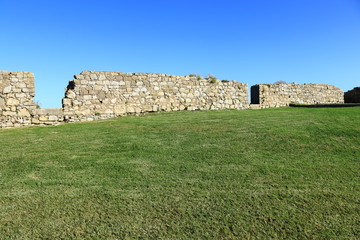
x: 250, y: 41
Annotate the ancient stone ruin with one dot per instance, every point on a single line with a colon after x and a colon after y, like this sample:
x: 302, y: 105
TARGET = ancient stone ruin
x: 280, y: 95
x: 92, y: 95
x: 100, y: 95
x: 352, y: 96
x: 17, y: 106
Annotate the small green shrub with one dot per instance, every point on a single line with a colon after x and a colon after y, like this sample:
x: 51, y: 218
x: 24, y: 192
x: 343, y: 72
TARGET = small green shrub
x: 198, y: 77
x: 211, y: 78
x: 225, y: 81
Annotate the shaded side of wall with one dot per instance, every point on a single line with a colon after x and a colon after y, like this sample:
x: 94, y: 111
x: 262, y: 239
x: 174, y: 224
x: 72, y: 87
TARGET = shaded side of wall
x: 97, y: 95
x: 280, y: 95
x: 352, y: 96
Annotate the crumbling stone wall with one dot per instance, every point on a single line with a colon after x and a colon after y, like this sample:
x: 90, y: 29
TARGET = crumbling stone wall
x: 47, y: 116
x: 17, y: 106
x: 352, y: 96
x: 93, y: 94
x: 280, y: 95
x: 16, y: 98
x: 99, y: 95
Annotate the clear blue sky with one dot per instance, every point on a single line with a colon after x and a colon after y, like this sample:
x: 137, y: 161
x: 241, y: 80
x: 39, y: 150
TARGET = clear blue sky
x: 251, y: 41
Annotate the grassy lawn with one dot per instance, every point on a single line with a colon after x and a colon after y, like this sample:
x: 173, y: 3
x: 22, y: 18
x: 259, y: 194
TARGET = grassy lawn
x: 276, y: 173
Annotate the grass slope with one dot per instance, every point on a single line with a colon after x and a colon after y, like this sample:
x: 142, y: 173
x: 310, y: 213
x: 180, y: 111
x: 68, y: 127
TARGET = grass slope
x: 278, y: 173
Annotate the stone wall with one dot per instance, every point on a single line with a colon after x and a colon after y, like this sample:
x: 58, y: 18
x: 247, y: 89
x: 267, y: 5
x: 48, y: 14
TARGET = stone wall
x: 352, y: 96
x: 99, y: 95
x: 17, y: 106
x: 95, y: 95
x: 280, y: 95
x: 16, y: 98
x: 48, y: 116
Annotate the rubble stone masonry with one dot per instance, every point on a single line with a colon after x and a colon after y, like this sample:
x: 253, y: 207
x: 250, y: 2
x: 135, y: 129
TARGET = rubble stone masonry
x: 16, y: 98
x: 17, y: 106
x: 100, y: 95
x: 95, y: 95
x: 280, y: 95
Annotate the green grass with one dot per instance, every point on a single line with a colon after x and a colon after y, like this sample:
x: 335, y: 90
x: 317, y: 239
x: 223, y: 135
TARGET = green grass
x: 284, y: 173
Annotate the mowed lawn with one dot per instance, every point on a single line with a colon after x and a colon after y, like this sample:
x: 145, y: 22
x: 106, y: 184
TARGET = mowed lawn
x: 284, y: 173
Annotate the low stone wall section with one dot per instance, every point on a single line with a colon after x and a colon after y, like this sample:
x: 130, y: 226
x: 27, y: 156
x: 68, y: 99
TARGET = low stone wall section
x: 280, y: 95
x: 48, y: 116
x: 97, y: 95
x: 352, y: 96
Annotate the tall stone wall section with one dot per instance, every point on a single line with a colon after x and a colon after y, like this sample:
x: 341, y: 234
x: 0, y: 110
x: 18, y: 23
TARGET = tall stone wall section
x: 96, y: 95
x: 16, y: 98
x: 280, y: 95
x: 17, y: 106
x: 352, y: 96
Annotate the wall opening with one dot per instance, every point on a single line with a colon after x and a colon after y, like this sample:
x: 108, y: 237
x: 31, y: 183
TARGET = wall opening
x: 255, y: 94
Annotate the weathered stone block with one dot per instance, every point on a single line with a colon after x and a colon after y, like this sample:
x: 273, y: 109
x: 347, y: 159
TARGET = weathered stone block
x: 24, y: 112
x: 53, y: 118
x: 7, y: 89
x: 12, y: 102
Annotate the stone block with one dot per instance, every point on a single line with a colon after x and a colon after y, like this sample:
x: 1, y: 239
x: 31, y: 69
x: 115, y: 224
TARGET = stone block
x: 12, y: 102
x: 93, y: 76
x: 43, y: 118
x: 7, y: 89
x: 24, y: 113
